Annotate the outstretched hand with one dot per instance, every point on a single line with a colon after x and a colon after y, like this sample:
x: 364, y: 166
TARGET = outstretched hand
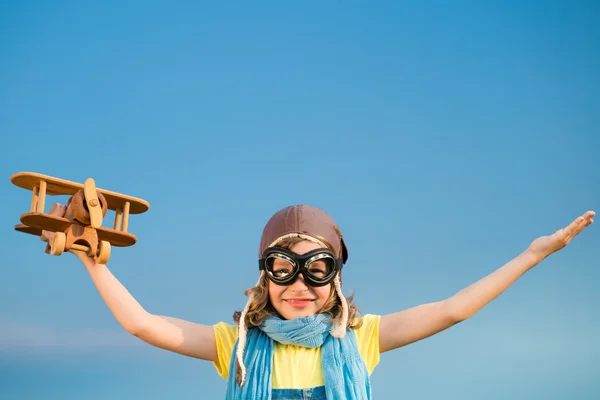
x: 57, y: 210
x: 546, y: 245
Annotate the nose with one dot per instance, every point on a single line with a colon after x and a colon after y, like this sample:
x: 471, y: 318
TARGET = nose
x: 299, y: 285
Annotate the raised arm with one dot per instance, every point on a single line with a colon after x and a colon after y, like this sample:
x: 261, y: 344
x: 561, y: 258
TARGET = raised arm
x: 183, y: 337
x: 408, y: 326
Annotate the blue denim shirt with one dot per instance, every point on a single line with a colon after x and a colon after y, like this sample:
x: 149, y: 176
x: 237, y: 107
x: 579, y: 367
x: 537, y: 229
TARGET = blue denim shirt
x: 316, y: 393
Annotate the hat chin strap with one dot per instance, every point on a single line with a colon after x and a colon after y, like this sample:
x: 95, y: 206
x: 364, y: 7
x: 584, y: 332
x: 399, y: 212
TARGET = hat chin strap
x: 242, y: 337
x: 338, y: 330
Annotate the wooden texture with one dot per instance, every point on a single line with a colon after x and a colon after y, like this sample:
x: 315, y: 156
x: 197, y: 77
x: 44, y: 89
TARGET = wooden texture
x: 42, y: 186
x: 57, y: 244
x: 83, y: 235
x: 93, y: 203
x: 118, y: 215
x: 126, y: 212
x: 52, y: 186
x: 32, y: 230
x: 61, y: 243
x: 33, y: 223
x: 34, y: 198
x: 77, y: 209
x: 103, y: 252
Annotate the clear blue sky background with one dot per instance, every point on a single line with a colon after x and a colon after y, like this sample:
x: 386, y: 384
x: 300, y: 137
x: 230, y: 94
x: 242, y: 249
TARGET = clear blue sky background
x: 442, y: 136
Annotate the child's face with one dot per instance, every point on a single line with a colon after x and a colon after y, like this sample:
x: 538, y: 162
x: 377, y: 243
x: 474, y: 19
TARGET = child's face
x: 299, y: 299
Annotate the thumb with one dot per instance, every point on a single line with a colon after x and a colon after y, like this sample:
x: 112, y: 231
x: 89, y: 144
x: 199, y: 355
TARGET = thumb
x: 58, y: 210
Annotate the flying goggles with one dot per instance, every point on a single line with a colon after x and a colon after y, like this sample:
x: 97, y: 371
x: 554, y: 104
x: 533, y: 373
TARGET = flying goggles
x: 318, y: 267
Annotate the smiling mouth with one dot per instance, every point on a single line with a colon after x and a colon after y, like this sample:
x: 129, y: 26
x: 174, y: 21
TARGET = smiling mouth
x: 299, y: 303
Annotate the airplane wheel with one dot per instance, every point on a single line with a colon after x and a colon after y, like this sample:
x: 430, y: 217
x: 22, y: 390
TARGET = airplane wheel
x: 58, y: 244
x: 103, y: 252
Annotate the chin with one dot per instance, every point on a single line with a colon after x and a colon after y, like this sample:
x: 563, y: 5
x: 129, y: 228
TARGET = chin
x: 297, y: 314
x: 289, y: 312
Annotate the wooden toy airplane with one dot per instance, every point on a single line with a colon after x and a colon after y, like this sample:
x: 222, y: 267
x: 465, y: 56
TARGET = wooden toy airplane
x: 81, y: 228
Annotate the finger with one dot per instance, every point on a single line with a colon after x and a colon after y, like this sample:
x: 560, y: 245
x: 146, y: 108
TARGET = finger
x: 576, y: 224
x: 588, y: 218
x: 574, y: 228
x: 58, y: 209
x: 53, y: 208
x: 581, y: 223
x: 47, y: 236
x: 588, y: 215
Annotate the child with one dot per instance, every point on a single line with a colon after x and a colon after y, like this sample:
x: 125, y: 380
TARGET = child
x: 299, y: 337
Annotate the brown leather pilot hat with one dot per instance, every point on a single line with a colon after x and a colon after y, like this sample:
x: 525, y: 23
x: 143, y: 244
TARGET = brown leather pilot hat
x: 305, y: 220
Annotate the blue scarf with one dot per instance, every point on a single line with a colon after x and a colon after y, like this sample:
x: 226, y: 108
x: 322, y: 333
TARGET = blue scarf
x: 344, y: 371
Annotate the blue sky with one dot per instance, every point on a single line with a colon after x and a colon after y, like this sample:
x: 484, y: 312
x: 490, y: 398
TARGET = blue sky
x: 443, y: 138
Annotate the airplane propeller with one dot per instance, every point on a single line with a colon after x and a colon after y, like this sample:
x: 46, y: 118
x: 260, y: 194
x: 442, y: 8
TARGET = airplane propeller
x: 92, y: 202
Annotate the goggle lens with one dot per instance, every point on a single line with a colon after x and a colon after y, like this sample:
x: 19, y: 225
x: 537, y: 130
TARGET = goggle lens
x: 278, y: 267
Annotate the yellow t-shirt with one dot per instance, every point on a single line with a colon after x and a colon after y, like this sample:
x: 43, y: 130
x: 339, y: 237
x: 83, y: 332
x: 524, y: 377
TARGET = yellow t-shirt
x: 296, y: 367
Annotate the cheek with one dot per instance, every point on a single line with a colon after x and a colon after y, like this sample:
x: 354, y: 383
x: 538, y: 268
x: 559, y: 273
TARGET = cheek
x: 323, y: 292
x: 274, y: 291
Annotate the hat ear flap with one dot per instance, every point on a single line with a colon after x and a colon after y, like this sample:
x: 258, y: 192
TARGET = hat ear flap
x: 338, y: 329
x: 344, y: 249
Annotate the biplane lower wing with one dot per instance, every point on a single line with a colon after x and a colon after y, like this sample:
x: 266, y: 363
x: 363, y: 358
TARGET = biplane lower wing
x: 28, y: 229
x: 33, y: 223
